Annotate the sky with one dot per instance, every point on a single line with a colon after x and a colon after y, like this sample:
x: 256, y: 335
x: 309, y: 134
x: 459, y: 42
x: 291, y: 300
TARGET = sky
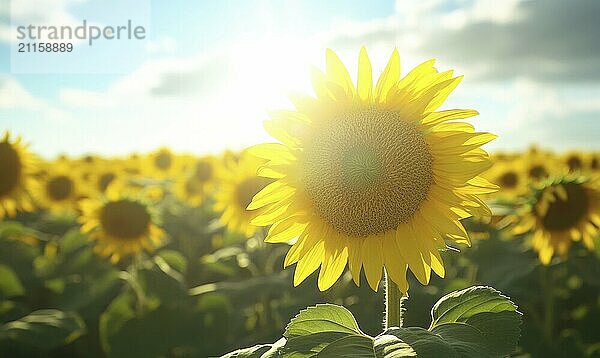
x: 209, y: 72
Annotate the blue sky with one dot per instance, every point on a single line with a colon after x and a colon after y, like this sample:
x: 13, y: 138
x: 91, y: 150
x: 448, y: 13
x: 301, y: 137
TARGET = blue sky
x: 209, y: 71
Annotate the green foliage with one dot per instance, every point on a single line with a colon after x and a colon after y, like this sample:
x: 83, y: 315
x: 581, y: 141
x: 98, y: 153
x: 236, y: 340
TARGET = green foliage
x: 474, y: 322
x: 10, y: 285
x: 198, y: 297
x: 44, y: 329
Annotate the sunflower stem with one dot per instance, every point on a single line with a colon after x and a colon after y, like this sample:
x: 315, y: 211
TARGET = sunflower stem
x: 393, y: 303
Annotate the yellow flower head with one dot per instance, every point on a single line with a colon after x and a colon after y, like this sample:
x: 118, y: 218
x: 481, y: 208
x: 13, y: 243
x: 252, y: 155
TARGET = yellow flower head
x: 61, y: 188
x: 561, y: 211
x: 510, y: 175
x: 239, y: 182
x: 122, y: 224
x: 199, y: 181
x: 16, y: 176
x: 162, y: 164
x: 372, y: 176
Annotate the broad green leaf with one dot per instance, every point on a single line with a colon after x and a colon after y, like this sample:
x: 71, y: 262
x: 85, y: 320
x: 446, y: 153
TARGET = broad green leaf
x: 390, y: 346
x: 45, y: 329
x: 10, y: 285
x: 315, y: 328
x: 250, y: 352
x: 258, y: 351
x: 322, y: 318
x: 477, y: 322
x: 349, y: 346
x: 311, y: 343
x: 425, y: 343
x: 459, y: 306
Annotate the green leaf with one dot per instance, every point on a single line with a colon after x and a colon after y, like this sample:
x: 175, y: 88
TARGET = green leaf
x: 258, y: 351
x: 477, y: 322
x: 10, y: 285
x: 461, y: 305
x: 349, y: 346
x: 322, y: 318
x: 117, y: 313
x: 45, y: 329
x: 175, y: 259
x: 390, y: 346
x: 313, y: 329
x: 425, y: 343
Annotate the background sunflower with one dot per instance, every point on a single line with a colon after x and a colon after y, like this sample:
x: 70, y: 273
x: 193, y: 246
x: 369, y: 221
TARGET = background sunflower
x: 16, y: 176
x: 122, y: 224
x: 239, y: 182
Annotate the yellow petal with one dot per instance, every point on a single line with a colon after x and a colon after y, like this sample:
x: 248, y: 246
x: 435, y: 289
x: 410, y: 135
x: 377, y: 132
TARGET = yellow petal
x: 372, y: 260
x: 332, y: 268
x: 337, y: 73
x: 309, y: 263
x: 389, y: 77
x: 394, y: 263
x: 364, y: 83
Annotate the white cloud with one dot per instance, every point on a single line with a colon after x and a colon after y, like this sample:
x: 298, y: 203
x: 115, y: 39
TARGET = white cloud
x: 162, y: 45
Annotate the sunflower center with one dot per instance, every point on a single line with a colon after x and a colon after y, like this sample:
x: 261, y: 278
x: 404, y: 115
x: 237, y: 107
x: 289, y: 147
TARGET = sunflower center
x: 537, y: 172
x: 203, y: 171
x: 509, y: 180
x: 563, y: 215
x: 105, y: 180
x: 367, y: 171
x: 191, y: 187
x: 163, y: 161
x: 60, y: 187
x: 574, y: 163
x: 246, y: 190
x: 125, y: 219
x: 10, y: 168
x: 594, y: 164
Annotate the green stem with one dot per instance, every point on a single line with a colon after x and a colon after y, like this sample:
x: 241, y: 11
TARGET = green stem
x: 137, y: 288
x: 548, y: 290
x: 393, y: 303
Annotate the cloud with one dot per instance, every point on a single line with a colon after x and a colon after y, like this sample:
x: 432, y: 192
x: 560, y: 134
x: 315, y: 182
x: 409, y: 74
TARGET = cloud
x: 15, y: 99
x: 162, y: 45
x: 13, y: 95
x: 551, y: 40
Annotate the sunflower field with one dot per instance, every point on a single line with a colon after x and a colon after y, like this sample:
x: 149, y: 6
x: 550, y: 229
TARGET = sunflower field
x: 321, y: 243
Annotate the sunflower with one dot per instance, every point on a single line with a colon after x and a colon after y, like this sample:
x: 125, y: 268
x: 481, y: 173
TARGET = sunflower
x: 60, y: 188
x: 539, y: 165
x: 595, y: 162
x: 561, y: 211
x: 16, y: 176
x: 510, y: 175
x: 199, y: 182
x: 121, y: 223
x: 372, y: 176
x: 239, y: 182
x: 162, y: 164
x: 575, y: 161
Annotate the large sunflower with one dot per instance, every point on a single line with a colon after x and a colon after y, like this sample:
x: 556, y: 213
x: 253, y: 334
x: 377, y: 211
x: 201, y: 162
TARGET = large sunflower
x: 238, y: 184
x: 372, y: 176
x: 561, y: 211
x: 16, y: 176
x: 122, y: 223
